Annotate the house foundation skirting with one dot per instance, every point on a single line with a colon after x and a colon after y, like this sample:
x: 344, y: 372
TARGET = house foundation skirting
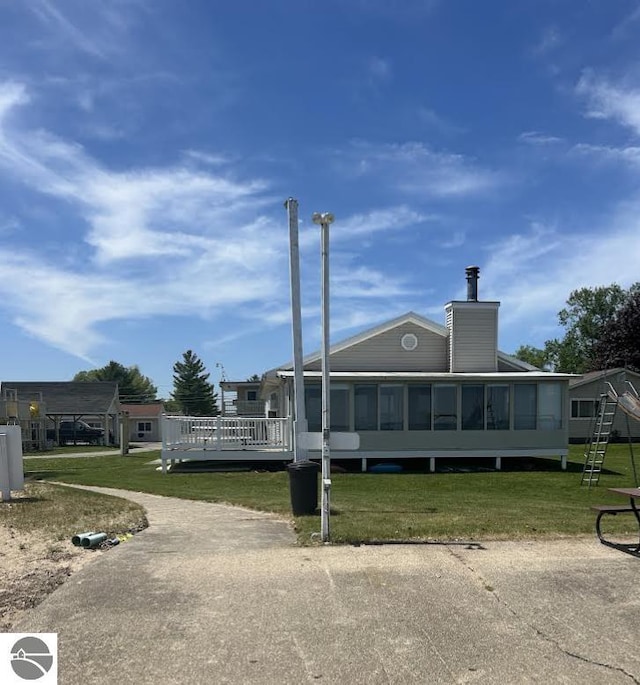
x: 172, y: 456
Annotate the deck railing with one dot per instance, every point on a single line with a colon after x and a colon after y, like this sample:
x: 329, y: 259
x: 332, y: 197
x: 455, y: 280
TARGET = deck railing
x: 225, y: 433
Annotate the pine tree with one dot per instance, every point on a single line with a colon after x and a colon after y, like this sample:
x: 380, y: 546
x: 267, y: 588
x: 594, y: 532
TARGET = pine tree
x: 191, y: 388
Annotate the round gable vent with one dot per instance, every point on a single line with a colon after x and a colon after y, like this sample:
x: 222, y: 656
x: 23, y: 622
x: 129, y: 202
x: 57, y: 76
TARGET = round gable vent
x: 409, y: 342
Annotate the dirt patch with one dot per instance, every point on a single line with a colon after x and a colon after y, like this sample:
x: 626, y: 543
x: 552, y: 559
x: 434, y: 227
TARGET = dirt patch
x: 31, y: 568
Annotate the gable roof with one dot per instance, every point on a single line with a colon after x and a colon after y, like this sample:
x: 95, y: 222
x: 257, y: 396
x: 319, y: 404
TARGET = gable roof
x: 409, y: 317
x: 68, y: 397
x: 147, y: 409
x: 603, y: 375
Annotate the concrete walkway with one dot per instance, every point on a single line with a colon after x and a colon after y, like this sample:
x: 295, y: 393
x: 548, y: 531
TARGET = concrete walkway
x: 139, y: 449
x: 217, y: 594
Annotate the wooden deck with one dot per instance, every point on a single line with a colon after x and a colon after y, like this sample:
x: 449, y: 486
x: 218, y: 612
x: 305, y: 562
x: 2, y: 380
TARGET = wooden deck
x: 225, y: 438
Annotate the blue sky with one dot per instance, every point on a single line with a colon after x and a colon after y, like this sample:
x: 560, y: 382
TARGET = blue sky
x: 147, y: 147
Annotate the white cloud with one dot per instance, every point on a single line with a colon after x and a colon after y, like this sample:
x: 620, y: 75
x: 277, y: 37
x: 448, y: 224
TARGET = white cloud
x: 11, y: 95
x: 532, y: 274
x: 537, y: 138
x: 619, y: 102
x: 417, y: 170
x: 627, y: 155
x: 455, y: 239
x: 158, y: 241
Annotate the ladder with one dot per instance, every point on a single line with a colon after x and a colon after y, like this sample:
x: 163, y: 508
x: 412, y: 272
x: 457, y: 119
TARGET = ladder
x: 596, y: 447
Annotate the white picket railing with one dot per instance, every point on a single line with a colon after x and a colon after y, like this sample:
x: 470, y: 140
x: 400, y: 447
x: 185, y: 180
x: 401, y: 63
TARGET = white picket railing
x: 225, y: 433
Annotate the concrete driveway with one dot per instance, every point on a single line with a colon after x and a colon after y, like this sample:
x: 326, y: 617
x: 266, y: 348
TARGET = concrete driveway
x: 217, y: 594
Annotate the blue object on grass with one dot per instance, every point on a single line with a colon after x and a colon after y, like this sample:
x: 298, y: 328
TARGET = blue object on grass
x: 386, y: 468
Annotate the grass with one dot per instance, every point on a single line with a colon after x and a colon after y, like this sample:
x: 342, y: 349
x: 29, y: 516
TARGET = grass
x: 528, y: 499
x: 57, y: 512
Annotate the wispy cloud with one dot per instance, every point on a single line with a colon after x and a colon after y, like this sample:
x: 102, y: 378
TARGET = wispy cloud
x: 537, y: 138
x: 379, y: 70
x: 207, y: 228
x: 433, y: 120
x: 53, y: 17
x: 95, y: 29
x: 629, y: 155
x: 619, y: 101
x: 415, y: 169
x: 533, y: 273
x: 549, y: 41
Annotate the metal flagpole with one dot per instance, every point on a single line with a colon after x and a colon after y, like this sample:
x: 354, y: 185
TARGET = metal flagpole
x: 324, y: 220
x: 299, y: 421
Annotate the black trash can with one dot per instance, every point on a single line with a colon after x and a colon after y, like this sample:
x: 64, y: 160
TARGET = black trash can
x: 303, y: 486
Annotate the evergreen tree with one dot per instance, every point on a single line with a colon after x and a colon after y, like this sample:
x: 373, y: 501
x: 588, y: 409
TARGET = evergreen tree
x: 133, y: 387
x: 191, y: 388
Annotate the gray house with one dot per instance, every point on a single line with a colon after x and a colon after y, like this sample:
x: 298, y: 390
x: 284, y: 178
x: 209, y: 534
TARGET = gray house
x: 39, y: 406
x: 414, y: 388
x: 585, y: 393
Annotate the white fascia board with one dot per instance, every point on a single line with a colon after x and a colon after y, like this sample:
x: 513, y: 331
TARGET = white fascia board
x: 438, y: 375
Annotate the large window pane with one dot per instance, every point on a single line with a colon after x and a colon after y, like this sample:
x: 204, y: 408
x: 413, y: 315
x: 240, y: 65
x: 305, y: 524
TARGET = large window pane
x: 339, y: 407
x: 498, y: 407
x: 419, y: 407
x: 366, y: 407
x: 550, y: 406
x: 583, y: 409
x: 313, y: 407
x: 524, y: 406
x: 391, y: 407
x: 445, y: 411
x: 472, y: 407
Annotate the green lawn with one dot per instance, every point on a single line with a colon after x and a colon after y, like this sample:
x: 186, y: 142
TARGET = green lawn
x: 514, y: 503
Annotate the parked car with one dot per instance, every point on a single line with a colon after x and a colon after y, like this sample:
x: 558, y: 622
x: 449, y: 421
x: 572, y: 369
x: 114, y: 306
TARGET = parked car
x: 76, y: 431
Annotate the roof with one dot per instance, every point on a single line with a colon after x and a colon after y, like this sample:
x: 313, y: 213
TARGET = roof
x: 146, y: 410
x: 498, y: 376
x: 602, y: 375
x: 232, y: 385
x: 409, y: 317
x: 69, y: 397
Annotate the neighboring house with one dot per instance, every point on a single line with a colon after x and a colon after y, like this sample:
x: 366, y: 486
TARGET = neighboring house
x: 414, y: 388
x: 40, y: 406
x: 585, y: 393
x: 241, y: 398
x: 144, y: 421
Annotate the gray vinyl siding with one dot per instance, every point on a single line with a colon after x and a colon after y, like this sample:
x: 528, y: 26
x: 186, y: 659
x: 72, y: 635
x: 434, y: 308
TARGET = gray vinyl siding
x: 385, y: 353
x: 460, y: 440
x: 484, y: 439
x: 581, y: 429
x: 474, y: 340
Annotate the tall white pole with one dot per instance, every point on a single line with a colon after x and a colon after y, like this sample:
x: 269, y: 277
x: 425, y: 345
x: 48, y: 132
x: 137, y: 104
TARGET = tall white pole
x: 299, y: 420
x: 324, y: 220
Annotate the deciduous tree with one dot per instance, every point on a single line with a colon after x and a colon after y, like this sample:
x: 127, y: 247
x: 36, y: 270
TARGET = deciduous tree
x: 620, y: 342
x: 132, y: 385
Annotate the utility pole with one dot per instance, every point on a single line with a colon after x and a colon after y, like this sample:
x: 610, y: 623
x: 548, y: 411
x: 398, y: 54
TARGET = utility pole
x: 324, y: 220
x: 299, y: 419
